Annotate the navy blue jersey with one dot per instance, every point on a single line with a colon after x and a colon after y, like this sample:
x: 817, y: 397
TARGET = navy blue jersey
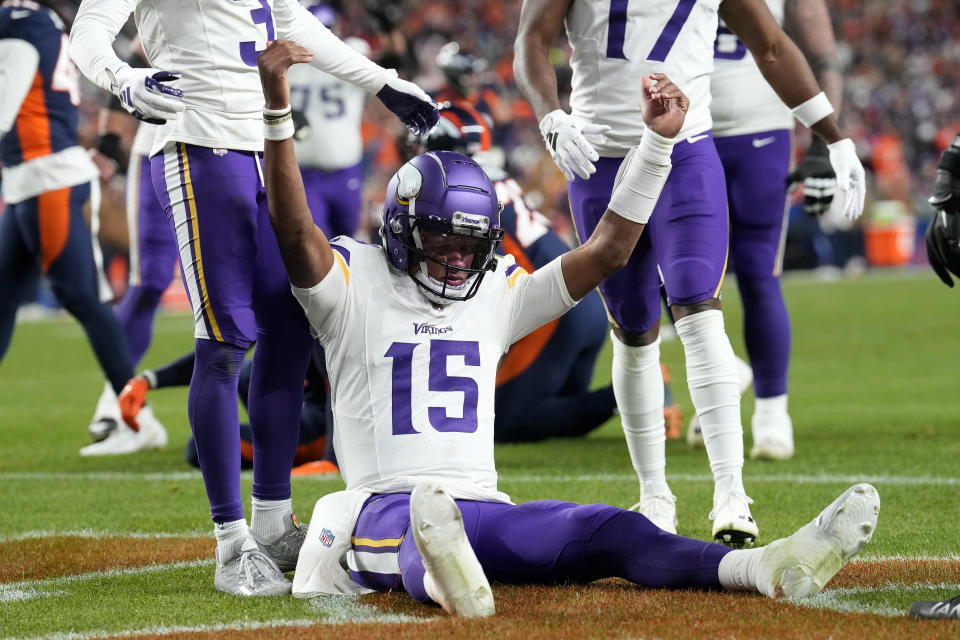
x: 47, y: 120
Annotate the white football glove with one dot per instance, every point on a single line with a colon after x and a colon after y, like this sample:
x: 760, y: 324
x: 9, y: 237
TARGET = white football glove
x: 565, y: 138
x: 851, y: 180
x: 145, y: 94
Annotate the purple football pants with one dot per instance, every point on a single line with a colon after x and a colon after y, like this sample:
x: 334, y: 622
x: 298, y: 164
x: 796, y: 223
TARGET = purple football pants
x: 684, y: 243
x: 216, y: 204
x: 153, y: 258
x: 544, y: 541
x: 756, y: 167
x: 335, y: 198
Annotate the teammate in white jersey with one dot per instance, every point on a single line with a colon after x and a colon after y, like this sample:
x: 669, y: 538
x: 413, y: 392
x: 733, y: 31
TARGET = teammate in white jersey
x: 413, y: 332
x: 613, y: 44
x: 330, y: 144
x: 752, y: 128
x: 204, y: 92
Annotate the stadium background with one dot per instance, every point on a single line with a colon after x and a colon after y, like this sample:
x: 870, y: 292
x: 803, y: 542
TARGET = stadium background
x: 901, y: 61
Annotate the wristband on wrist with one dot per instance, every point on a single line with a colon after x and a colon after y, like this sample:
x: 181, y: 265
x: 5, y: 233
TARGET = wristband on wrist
x: 150, y: 376
x: 278, y: 123
x: 813, y: 110
x: 641, y: 178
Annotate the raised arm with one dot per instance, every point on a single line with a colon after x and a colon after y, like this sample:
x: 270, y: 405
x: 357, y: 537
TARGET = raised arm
x: 303, y: 246
x: 638, y: 186
x: 782, y: 64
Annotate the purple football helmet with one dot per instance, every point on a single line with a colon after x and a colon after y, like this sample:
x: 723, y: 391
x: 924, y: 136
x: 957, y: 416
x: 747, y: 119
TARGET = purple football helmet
x: 447, y: 194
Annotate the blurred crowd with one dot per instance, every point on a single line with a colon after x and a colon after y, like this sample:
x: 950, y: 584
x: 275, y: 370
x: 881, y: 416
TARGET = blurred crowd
x: 902, y: 70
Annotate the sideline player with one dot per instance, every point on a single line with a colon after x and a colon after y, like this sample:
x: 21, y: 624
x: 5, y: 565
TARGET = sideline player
x: 543, y: 381
x: 686, y: 244
x: 48, y: 179
x: 206, y: 169
x: 752, y: 128
x: 414, y: 407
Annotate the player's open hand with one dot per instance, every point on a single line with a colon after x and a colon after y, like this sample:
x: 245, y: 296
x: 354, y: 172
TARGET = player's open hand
x: 273, y: 64
x: 664, y: 105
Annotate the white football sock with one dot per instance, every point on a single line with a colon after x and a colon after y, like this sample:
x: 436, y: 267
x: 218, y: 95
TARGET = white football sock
x: 230, y: 537
x: 267, y: 518
x: 739, y: 569
x: 715, y: 392
x: 638, y: 388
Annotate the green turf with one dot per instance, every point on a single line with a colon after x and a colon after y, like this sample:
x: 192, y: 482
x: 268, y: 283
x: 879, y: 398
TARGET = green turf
x: 874, y: 395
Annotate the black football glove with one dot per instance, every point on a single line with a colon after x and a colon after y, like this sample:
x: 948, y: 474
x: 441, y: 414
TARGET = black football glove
x: 943, y: 234
x: 816, y: 173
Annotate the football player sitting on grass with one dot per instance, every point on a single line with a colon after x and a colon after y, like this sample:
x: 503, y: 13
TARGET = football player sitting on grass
x: 413, y: 331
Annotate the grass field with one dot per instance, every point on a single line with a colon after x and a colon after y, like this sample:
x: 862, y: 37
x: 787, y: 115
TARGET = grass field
x: 122, y: 547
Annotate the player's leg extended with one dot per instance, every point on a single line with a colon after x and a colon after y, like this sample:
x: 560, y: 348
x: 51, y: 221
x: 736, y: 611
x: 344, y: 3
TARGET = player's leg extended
x: 153, y: 258
x: 548, y: 540
x: 317, y: 189
x: 691, y: 246
x: 756, y: 179
x: 19, y: 264
x: 632, y: 300
x: 275, y: 396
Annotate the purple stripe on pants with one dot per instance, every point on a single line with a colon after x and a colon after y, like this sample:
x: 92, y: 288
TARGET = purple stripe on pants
x: 686, y: 236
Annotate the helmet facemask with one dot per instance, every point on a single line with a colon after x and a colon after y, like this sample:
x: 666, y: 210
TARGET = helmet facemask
x: 444, y: 249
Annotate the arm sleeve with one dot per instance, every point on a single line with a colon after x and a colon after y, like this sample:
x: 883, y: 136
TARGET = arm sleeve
x: 538, y: 298
x: 330, y: 54
x: 91, y: 39
x: 18, y: 65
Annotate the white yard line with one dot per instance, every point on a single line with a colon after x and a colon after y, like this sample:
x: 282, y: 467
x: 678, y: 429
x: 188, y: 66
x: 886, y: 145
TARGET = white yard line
x: 836, y: 599
x: 823, y: 478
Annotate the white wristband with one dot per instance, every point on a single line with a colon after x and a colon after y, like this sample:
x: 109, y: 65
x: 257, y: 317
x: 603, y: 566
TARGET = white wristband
x: 641, y: 178
x: 813, y: 110
x: 278, y: 123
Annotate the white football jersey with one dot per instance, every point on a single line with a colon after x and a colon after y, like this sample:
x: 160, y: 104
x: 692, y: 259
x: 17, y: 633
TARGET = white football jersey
x: 214, y: 45
x: 614, y: 43
x: 412, y: 383
x: 743, y: 102
x: 334, y: 109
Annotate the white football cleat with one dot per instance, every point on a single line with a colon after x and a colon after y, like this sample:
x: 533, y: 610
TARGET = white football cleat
x: 772, y: 436
x: 454, y: 578
x: 799, y: 566
x: 732, y: 523
x: 106, y: 417
x: 125, y: 440
x: 661, y: 510
x: 247, y: 571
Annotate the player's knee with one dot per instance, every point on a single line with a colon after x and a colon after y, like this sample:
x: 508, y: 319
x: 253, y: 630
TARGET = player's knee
x: 637, y: 338
x: 221, y: 357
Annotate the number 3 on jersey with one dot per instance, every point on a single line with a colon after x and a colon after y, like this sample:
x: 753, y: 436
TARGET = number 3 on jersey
x: 438, y: 381
x: 248, y: 49
x: 617, y: 30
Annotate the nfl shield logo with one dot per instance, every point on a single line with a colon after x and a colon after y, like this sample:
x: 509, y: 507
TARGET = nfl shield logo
x: 326, y: 537
x: 220, y: 152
